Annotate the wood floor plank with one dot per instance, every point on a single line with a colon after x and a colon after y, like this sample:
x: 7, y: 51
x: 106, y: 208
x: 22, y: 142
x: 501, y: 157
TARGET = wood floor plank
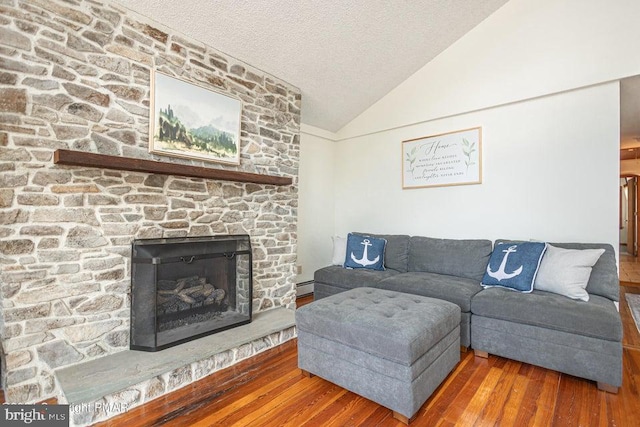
x: 333, y: 409
x: 480, y: 399
x: 614, y: 408
x: 492, y: 412
x: 589, y: 405
x: 282, y: 370
x: 280, y: 377
x: 248, y: 397
x: 309, y: 409
x: 603, y: 419
x: 546, y: 401
x: 628, y: 396
x: 382, y: 417
x: 512, y: 405
x: 355, y: 415
x: 263, y: 405
x: 302, y: 407
x: 457, y: 408
x: 568, y: 405
x: 437, y: 395
x: 284, y: 399
x: 435, y: 407
x: 535, y: 380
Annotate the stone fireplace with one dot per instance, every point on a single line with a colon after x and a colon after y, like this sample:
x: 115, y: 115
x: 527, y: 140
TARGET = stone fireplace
x: 75, y: 76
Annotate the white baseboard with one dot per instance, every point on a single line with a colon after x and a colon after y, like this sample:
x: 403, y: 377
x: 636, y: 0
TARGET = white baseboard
x: 304, y: 288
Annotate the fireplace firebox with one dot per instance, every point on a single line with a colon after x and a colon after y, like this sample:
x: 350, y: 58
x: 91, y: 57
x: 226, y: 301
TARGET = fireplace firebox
x: 186, y: 288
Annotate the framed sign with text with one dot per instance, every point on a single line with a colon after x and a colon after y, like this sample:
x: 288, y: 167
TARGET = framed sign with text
x: 453, y: 158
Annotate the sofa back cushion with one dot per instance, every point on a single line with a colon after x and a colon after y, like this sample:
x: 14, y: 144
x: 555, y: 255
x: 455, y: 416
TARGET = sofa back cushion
x: 462, y: 258
x: 604, y: 274
x: 396, y: 253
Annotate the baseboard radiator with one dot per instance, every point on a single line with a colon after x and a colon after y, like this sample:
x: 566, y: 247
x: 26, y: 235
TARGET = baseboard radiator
x: 304, y: 288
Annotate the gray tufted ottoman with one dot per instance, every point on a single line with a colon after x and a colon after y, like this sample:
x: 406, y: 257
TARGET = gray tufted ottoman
x: 390, y: 347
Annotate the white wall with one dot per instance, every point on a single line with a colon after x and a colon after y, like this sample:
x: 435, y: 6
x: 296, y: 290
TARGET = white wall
x: 550, y: 172
x: 315, y: 201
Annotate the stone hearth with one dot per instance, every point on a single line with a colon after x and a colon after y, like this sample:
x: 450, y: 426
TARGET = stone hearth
x: 75, y: 74
x: 105, y: 387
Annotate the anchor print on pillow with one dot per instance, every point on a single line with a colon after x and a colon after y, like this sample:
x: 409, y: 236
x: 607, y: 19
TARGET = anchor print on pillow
x: 365, y: 252
x: 514, y: 265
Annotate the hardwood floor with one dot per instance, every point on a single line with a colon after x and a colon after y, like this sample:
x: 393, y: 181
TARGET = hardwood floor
x: 269, y: 390
x: 629, y: 270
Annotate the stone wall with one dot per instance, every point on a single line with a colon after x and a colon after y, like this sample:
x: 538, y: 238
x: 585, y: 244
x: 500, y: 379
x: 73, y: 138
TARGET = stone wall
x: 75, y: 74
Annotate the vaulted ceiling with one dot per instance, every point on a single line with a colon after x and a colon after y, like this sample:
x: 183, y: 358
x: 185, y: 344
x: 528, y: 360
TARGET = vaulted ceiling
x: 344, y: 55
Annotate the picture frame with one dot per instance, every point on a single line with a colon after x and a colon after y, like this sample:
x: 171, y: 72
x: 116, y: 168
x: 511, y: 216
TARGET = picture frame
x: 452, y: 158
x: 193, y: 122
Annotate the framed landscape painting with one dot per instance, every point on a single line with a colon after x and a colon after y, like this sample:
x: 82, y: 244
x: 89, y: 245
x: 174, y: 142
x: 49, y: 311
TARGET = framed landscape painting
x: 453, y: 158
x: 193, y: 122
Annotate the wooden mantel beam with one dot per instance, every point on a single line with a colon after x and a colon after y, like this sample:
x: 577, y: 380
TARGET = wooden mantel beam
x: 103, y: 161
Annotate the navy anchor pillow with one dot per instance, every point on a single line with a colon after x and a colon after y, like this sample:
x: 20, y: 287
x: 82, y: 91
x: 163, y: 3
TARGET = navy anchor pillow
x: 365, y: 252
x: 514, y: 265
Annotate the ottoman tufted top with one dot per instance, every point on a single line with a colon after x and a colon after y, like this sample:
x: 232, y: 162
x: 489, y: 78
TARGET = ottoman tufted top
x: 391, y: 325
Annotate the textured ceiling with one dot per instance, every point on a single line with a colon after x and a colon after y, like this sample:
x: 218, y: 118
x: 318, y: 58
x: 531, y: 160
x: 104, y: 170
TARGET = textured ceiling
x: 344, y: 55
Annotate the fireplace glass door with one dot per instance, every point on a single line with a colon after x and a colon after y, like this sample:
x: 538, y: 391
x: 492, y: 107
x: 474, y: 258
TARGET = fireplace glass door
x: 186, y: 288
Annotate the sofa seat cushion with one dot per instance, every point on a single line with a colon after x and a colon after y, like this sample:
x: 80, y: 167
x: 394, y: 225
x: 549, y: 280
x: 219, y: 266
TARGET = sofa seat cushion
x: 597, y: 318
x: 351, y: 278
x: 457, y: 290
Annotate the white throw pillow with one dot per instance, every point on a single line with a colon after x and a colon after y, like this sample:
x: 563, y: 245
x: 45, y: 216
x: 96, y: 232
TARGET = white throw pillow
x: 567, y: 271
x: 339, y: 250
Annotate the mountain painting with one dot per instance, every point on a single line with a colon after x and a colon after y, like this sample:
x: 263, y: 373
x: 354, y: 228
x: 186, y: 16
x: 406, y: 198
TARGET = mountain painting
x: 193, y: 122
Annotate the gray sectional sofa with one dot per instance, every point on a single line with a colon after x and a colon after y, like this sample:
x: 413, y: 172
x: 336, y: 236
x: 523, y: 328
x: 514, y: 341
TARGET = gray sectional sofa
x: 579, y: 338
